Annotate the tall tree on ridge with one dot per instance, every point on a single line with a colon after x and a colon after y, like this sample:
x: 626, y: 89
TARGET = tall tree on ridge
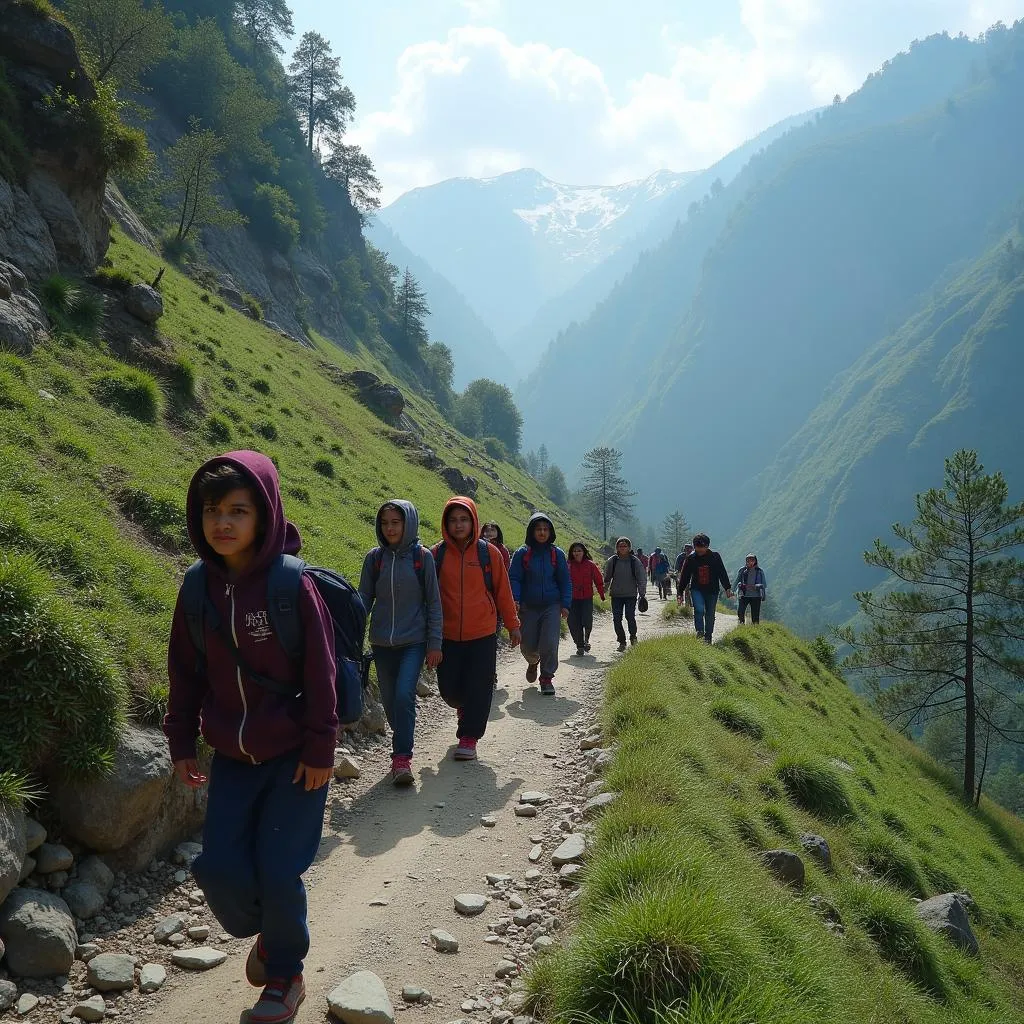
x: 605, y: 492
x: 264, y: 20
x: 675, y: 530
x: 412, y: 311
x: 319, y: 100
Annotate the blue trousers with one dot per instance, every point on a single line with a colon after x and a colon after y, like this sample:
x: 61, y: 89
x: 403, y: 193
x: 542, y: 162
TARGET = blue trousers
x: 704, y: 604
x: 398, y: 668
x: 261, y: 834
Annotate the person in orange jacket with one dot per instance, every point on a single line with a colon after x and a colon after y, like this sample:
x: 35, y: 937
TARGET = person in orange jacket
x: 474, y: 591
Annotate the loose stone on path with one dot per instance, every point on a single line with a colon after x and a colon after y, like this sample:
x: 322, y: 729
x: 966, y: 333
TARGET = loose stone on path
x: 470, y: 904
x: 443, y: 941
x: 152, y: 977
x: 571, y: 850
x: 93, y: 1009
x: 202, y: 958
x: 112, y: 972
x: 361, y: 999
x: 525, y: 811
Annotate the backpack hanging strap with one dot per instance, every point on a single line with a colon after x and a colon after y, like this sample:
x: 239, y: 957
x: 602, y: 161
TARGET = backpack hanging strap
x: 283, y: 584
x: 193, y: 599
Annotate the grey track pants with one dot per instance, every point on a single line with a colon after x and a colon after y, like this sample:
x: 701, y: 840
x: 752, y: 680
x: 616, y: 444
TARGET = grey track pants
x: 540, y: 627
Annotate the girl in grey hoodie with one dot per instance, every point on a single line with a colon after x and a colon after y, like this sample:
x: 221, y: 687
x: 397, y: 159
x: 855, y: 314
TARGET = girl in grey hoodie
x: 398, y: 585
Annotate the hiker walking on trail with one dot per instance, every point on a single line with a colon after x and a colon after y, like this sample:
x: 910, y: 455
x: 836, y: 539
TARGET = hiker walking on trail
x: 752, y: 587
x: 585, y: 577
x: 542, y: 590
x: 703, y: 572
x: 398, y: 586
x: 660, y: 569
x: 474, y: 590
x: 683, y: 596
x: 626, y: 582
x: 273, y: 754
x: 491, y: 532
x: 644, y: 560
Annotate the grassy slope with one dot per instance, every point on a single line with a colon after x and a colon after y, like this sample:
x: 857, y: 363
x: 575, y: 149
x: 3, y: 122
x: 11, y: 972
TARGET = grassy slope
x: 72, y: 471
x: 678, y: 921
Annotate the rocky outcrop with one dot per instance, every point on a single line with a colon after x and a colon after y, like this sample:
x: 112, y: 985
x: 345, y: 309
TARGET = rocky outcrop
x: 459, y: 482
x: 22, y: 321
x: 117, y: 209
x: 947, y: 915
x: 55, y: 216
x: 381, y: 398
x: 12, y: 847
x: 144, y: 303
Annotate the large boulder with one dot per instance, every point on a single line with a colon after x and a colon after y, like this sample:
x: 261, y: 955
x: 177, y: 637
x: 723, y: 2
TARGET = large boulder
x: 361, y: 999
x: 144, y: 303
x: 24, y: 235
x: 786, y: 866
x: 385, y: 400
x: 459, y: 482
x: 947, y: 915
x: 22, y: 321
x: 39, y: 933
x: 106, y: 814
x: 12, y: 847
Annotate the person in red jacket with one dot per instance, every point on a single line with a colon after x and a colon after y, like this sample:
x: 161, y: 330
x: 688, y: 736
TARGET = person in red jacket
x: 585, y: 575
x: 491, y: 532
x: 273, y: 755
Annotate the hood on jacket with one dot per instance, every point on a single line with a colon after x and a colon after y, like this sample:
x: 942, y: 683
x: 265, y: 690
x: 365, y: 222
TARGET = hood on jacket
x: 411, y: 533
x: 280, y: 537
x: 539, y: 517
x: 470, y: 506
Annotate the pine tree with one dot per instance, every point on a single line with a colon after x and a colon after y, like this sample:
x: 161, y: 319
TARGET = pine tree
x: 947, y: 641
x: 412, y: 312
x: 319, y: 100
x: 354, y: 171
x: 264, y: 20
x: 675, y: 530
x: 543, y: 460
x: 605, y: 493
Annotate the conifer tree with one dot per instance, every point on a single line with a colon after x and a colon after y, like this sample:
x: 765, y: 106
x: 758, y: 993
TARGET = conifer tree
x: 263, y: 21
x: 947, y: 639
x: 319, y: 100
x: 675, y: 530
x: 412, y: 312
x: 605, y: 493
x: 354, y: 171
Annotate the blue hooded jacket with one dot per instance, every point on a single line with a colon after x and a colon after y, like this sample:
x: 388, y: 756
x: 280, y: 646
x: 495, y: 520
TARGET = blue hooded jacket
x: 540, y: 583
x: 402, y: 610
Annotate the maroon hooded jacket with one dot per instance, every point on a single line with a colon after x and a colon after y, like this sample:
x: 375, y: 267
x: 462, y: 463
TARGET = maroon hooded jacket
x: 238, y: 717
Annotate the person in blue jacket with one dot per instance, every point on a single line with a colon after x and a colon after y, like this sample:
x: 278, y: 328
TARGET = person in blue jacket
x: 542, y: 588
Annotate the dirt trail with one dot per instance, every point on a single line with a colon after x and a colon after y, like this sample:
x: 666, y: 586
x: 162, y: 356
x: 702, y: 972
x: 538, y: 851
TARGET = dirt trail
x: 414, y: 850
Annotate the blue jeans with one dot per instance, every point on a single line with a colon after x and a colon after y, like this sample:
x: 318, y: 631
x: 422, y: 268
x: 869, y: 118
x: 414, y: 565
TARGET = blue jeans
x: 261, y: 834
x: 704, y: 604
x: 627, y: 606
x: 398, y: 668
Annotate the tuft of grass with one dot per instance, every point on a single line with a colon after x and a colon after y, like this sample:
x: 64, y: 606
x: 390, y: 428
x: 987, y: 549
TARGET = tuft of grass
x: 113, y: 278
x: 737, y: 717
x: 161, y: 517
x: 131, y: 392
x: 217, y: 430
x: 815, y: 786
x: 266, y: 429
x: 182, y: 378
x: 18, y: 790
x: 890, y: 860
x: 261, y: 385
x: 324, y: 467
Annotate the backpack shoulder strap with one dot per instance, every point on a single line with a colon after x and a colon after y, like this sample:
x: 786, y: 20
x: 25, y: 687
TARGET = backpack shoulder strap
x: 193, y: 602
x: 378, y: 560
x: 283, y: 584
x: 484, y: 554
x: 417, y: 565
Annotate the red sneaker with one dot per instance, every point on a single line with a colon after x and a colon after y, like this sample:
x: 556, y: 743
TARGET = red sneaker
x: 466, y: 750
x: 401, y: 770
x: 279, y: 1002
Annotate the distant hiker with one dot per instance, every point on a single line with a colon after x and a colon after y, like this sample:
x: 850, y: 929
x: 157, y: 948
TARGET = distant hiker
x: 585, y: 577
x: 398, y: 586
x: 626, y: 581
x: 683, y: 596
x: 752, y: 587
x: 542, y: 590
x: 660, y: 569
x: 474, y: 589
x: 491, y: 532
x: 703, y: 571
x: 645, y: 561
x: 273, y: 754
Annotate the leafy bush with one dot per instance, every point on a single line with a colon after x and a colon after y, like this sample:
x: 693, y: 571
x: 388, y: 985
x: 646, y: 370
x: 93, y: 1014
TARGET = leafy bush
x: 162, y: 517
x: 61, y: 703
x: 737, y: 717
x: 218, y: 430
x: 272, y: 219
x: 252, y: 306
x: 495, y: 448
x: 825, y: 652
x: 816, y: 787
x: 325, y: 468
x: 131, y: 392
x: 261, y: 385
x: 266, y: 429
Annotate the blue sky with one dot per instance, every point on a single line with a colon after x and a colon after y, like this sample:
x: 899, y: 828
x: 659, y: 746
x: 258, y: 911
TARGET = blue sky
x: 603, y: 91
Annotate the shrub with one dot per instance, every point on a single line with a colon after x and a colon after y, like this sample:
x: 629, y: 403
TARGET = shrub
x: 252, y: 305
x: 300, y: 494
x: 217, y: 430
x: 325, y: 468
x: 272, y: 217
x: 73, y: 448
x: 230, y: 383
x: 824, y: 651
x: 737, y: 717
x: 889, y: 921
x: 178, y: 250
x: 17, y: 791
x: 162, y: 517
x: 61, y: 702
x: 816, y: 787
x: 261, y: 385
x: 266, y: 429
x: 130, y: 391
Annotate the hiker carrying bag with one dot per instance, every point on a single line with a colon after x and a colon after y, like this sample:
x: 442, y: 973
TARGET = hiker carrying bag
x: 377, y: 554
x: 284, y: 581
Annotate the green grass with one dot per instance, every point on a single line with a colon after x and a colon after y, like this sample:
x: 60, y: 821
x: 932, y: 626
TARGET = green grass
x: 678, y: 921
x: 92, y: 486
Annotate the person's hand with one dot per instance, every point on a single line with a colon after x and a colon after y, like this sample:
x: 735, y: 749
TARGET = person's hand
x: 188, y: 772
x: 515, y: 636
x: 434, y: 659
x: 728, y: 594
x: 565, y: 613
x: 315, y: 777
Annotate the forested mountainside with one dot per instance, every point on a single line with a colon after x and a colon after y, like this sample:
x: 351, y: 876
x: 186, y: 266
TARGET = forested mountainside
x: 642, y: 314
x: 451, y: 320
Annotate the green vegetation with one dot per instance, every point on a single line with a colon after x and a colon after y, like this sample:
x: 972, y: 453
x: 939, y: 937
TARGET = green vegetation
x: 722, y: 752
x: 109, y: 550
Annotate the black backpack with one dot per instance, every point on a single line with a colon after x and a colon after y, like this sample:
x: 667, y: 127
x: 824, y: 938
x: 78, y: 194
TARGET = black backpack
x: 346, y: 609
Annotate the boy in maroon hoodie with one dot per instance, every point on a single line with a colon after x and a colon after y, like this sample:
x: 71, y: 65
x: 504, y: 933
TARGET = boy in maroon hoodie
x: 274, y: 754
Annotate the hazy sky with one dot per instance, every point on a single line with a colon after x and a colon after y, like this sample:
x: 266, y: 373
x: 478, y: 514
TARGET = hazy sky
x: 603, y: 91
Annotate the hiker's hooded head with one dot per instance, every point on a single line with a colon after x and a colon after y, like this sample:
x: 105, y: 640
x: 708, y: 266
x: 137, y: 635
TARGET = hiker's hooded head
x: 492, y: 532
x: 623, y: 547
x: 751, y: 560
x: 540, y: 530
x: 460, y: 521
x: 234, y: 513
x: 398, y: 524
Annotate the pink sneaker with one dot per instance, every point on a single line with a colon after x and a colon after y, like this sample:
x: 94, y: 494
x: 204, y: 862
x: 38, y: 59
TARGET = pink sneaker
x: 280, y: 1000
x: 401, y: 770
x: 466, y: 750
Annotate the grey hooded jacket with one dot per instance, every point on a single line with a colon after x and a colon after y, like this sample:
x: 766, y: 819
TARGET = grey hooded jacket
x: 402, y: 611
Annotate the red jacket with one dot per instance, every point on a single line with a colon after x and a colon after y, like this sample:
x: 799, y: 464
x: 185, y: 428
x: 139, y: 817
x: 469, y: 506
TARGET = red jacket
x: 585, y: 576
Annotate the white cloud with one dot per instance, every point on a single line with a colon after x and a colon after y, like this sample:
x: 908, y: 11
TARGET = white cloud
x: 478, y: 104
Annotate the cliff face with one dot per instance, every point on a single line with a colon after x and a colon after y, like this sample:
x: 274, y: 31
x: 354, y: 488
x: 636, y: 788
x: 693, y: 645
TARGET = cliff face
x: 51, y: 211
